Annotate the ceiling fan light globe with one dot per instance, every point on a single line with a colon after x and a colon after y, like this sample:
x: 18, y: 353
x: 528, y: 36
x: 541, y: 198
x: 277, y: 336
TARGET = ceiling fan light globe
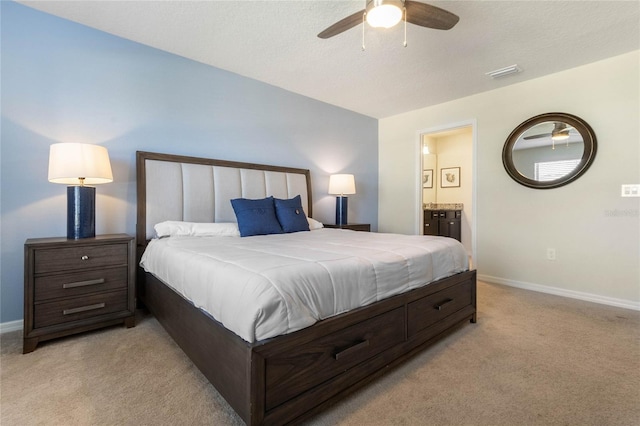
x: 384, y: 16
x: 560, y: 136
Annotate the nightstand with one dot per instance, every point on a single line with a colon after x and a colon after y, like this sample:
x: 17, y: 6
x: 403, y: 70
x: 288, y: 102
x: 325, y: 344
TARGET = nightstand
x: 71, y: 286
x: 352, y: 226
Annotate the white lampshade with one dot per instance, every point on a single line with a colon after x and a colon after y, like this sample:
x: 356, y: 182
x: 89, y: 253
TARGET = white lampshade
x: 79, y: 163
x: 384, y: 13
x: 342, y: 184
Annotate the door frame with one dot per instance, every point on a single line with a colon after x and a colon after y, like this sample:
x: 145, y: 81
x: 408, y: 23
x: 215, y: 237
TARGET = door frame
x: 474, y: 185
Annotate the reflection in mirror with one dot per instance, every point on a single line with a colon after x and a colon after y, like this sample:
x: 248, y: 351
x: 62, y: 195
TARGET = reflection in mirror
x: 430, y: 166
x: 544, y: 153
x: 549, y: 150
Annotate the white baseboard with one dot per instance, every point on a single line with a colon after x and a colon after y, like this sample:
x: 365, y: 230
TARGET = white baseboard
x: 8, y: 326
x: 589, y: 297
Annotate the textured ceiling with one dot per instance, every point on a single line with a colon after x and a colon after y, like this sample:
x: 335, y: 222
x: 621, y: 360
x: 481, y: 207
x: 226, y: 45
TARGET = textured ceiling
x: 275, y: 42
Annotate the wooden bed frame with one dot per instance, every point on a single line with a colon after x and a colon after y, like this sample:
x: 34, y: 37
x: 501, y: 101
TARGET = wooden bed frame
x: 288, y: 378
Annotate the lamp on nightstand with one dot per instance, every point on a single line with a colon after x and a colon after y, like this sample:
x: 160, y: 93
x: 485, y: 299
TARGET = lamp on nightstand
x: 341, y: 185
x: 79, y: 164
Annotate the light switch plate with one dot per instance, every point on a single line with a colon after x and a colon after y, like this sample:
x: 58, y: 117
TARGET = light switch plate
x: 630, y: 190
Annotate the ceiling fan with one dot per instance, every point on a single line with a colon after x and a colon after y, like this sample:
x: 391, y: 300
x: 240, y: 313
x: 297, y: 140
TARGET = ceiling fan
x: 560, y: 132
x: 387, y: 13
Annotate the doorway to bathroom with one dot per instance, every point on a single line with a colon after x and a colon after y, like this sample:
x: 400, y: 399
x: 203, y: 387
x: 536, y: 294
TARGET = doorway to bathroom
x: 448, y: 183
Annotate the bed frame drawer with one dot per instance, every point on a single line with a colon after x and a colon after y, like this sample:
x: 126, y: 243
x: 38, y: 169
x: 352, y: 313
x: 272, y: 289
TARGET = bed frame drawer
x: 429, y: 310
x: 291, y: 373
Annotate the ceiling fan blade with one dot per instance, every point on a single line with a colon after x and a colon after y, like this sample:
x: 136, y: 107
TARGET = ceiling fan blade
x: 429, y: 16
x: 543, y: 135
x: 343, y: 25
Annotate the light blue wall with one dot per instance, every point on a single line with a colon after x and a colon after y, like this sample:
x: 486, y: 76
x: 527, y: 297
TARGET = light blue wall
x: 63, y: 82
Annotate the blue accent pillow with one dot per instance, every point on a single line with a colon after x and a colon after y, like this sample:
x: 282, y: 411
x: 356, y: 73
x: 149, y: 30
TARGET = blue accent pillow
x: 256, y: 217
x: 291, y: 215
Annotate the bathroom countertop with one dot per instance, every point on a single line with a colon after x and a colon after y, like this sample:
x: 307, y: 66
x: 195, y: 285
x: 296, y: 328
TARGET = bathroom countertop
x: 443, y: 206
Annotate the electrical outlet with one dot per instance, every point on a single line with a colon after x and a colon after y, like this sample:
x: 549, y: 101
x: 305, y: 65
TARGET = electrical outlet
x: 551, y: 254
x: 632, y: 190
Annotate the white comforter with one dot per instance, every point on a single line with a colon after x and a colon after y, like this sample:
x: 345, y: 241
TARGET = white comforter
x: 265, y: 286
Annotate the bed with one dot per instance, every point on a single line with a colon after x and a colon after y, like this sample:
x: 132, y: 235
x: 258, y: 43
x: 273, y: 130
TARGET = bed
x: 288, y: 377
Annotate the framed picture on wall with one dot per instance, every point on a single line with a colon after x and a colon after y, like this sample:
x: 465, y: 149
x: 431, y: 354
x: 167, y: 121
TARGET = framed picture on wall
x: 427, y: 178
x: 450, y: 177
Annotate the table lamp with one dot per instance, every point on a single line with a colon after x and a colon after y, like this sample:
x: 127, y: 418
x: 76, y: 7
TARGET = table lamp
x: 77, y: 165
x: 341, y: 185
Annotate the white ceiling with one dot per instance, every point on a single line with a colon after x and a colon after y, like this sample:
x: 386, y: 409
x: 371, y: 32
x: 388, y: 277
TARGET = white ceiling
x: 275, y: 42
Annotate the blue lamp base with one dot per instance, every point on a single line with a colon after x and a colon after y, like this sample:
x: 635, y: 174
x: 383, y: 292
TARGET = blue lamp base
x: 81, y: 212
x: 341, y: 210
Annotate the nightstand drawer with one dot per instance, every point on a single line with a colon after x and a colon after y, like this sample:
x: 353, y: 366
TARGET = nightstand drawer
x: 72, y: 258
x: 61, y: 311
x: 78, y: 283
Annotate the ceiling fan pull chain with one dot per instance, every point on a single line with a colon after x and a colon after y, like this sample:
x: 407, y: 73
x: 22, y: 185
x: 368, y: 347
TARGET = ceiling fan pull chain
x: 364, y: 19
x: 404, y: 9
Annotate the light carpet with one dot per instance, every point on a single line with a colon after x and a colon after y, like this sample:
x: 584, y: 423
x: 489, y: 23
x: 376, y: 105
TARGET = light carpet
x: 531, y: 359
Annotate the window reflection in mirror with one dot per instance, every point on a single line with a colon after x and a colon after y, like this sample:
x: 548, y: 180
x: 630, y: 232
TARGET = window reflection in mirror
x: 549, y: 150
x: 543, y: 153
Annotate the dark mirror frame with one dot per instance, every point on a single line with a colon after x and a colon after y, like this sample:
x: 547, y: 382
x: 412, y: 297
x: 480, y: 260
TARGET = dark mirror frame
x: 590, y: 148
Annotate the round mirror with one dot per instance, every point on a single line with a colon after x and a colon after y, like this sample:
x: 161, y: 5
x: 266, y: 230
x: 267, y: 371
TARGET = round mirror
x: 549, y: 150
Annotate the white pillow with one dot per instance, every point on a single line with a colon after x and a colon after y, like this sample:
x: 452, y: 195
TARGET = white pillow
x: 314, y: 224
x: 173, y: 228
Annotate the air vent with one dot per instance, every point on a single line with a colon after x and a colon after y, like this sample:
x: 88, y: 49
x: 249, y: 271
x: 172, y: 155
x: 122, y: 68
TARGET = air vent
x: 502, y: 72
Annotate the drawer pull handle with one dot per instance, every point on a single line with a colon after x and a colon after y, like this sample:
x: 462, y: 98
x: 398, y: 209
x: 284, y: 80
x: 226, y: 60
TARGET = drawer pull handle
x: 351, y: 349
x: 85, y: 257
x: 443, y: 304
x: 83, y: 308
x: 83, y: 283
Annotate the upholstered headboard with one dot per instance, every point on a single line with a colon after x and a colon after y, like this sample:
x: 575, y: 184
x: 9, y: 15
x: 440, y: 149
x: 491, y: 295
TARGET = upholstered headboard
x: 191, y: 189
